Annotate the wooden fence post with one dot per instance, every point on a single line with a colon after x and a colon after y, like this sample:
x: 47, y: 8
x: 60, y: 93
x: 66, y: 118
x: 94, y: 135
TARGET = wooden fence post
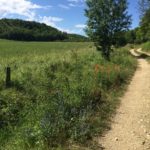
x: 8, y: 77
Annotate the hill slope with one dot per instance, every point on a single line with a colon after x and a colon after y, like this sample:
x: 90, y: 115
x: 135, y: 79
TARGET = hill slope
x: 15, y: 29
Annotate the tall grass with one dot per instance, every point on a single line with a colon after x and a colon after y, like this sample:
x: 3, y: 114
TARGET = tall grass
x: 62, y: 93
x: 146, y: 46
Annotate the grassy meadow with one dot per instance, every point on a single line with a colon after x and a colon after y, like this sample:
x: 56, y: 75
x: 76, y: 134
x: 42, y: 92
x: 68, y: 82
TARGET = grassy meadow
x: 61, y: 93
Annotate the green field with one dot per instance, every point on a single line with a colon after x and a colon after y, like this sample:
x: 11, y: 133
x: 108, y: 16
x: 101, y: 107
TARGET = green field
x: 61, y: 93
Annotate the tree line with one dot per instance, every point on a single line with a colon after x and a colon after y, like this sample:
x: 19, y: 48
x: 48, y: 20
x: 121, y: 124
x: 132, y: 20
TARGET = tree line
x: 16, y: 29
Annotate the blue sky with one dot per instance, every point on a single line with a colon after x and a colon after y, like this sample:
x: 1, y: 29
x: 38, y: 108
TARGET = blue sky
x: 66, y: 15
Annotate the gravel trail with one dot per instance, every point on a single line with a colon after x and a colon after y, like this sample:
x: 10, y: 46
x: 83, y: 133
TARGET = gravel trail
x: 131, y: 125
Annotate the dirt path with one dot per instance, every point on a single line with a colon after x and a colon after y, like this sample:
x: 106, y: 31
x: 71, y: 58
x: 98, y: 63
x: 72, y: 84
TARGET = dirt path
x: 131, y: 125
x: 140, y: 51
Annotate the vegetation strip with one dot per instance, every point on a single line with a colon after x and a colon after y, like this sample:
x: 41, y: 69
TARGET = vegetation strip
x: 59, y: 98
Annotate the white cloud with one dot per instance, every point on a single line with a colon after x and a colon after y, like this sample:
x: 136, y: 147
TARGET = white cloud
x: 76, y: 1
x: 72, y: 5
x: 63, y: 6
x: 19, y: 7
x: 72, y: 31
x: 49, y: 20
x: 80, y: 26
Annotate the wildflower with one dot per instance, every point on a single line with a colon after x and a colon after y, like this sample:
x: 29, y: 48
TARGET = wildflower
x: 97, y: 68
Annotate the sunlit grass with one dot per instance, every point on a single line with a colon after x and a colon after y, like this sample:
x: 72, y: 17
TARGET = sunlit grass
x: 146, y: 46
x: 61, y: 92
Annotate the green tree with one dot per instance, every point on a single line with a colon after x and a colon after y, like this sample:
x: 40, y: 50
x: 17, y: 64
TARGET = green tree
x: 143, y: 33
x: 139, y: 36
x: 145, y: 26
x: 106, y: 18
x: 130, y: 36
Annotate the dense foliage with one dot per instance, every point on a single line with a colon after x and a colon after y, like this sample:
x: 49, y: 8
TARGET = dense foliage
x: 107, y: 19
x: 61, y: 93
x: 142, y: 33
x: 15, y: 29
x: 145, y: 26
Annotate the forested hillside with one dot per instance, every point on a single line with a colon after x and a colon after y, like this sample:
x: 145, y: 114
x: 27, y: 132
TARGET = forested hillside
x: 15, y: 29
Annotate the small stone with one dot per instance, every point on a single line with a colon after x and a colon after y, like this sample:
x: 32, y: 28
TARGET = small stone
x: 143, y: 143
x: 116, y: 139
x: 133, y: 132
x: 141, y: 120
